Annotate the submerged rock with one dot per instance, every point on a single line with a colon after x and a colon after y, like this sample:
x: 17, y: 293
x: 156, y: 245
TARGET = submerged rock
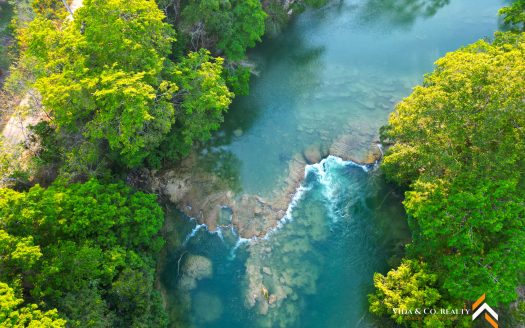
x: 195, y: 268
x: 312, y: 153
x: 238, y: 133
x: 357, y: 147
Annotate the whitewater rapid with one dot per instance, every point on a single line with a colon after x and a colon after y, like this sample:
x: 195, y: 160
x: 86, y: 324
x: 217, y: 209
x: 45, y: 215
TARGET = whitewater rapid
x: 320, y: 170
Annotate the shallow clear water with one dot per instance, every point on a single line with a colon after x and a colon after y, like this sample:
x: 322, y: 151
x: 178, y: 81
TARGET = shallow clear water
x: 344, y: 224
x: 335, y: 71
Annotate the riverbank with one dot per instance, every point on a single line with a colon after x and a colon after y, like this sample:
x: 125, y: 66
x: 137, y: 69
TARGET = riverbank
x: 318, y: 93
x: 202, y: 195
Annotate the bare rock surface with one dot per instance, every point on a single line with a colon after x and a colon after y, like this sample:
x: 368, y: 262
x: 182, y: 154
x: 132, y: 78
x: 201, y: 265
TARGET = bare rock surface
x: 202, y: 195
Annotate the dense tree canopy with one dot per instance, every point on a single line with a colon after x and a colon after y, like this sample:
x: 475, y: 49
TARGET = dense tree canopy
x: 458, y: 142
x: 85, y: 249
x: 114, y: 93
x: 15, y: 315
x: 514, y: 15
x: 408, y: 287
x: 106, y: 76
x: 232, y: 25
x: 203, y: 99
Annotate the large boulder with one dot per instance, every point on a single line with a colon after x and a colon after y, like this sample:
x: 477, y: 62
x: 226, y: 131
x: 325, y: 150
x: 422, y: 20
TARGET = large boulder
x: 312, y: 153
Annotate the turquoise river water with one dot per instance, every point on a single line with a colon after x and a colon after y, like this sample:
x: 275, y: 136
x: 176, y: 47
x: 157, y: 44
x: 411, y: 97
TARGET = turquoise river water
x: 334, y: 73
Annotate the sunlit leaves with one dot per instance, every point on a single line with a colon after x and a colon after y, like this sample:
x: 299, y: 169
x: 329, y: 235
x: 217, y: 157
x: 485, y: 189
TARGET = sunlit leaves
x: 75, y: 239
x: 202, y: 100
x: 233, y: 25
x: 408, y: 287
x: 104, y: 70
x: 458, y: 142
x: 514, y: 14
x: 14, y: 315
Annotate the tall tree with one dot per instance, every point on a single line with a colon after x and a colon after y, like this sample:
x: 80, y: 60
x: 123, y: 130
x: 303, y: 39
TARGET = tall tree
x: 202, y: 99
x: 101, y: 74
x: 82, y: 241
x: 407, y: 288
x: 106, y: 76
x: 458, y: 142
x: 514, y: 15
x: 232, y: 26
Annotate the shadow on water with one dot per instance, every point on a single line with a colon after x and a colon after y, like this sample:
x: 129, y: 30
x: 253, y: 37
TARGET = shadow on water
x: 223, y: 164
x: 400, y: 13
x: 290, y: 51
x: 289, y: 69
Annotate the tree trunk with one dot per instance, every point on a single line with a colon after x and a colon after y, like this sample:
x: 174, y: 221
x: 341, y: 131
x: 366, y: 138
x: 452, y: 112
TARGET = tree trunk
x: 68, y: 8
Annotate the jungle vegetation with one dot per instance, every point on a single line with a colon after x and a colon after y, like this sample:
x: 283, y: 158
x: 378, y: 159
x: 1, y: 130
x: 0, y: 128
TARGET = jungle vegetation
x: 111, y: 86
x: 457, y: 145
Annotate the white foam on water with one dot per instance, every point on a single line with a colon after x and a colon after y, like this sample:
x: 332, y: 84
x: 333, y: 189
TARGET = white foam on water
x: 193, y: 232
x: 330, y: 191
x: 326, y: 177
x: 288, y: 216
x: 241, y: 241
x: 218, y: 232
x: 321, y: 169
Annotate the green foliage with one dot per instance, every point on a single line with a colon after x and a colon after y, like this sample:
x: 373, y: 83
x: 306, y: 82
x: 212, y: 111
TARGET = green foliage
x: 276, y: 17
x: 18, y: 254
x: 408, y: 287
x: 204, y: 95
x: 23, y: 12
x: 232, y: 26
x: 133, y: 293
x: 474, y: 224
x: 114, y: 93
x: 14, y: 315
x: 514, y: 15
x: 86, y: 308
x: 50, y: 149
x: 69, y: 241
x: 50, y: 9
x: 202, y: 99
x: 111, y: 91
x: 458, y: 142
x: 237, y: 79
x: 11, y: 169
x: 315, y: 3
x: 518, y: 314
x: 247, y: 28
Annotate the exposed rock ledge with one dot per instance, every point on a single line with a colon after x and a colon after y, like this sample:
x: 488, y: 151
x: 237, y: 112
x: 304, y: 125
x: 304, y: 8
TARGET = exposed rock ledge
x: 202, y: 195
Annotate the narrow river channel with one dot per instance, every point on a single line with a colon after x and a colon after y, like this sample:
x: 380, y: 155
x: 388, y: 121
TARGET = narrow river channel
x: 334, y: 74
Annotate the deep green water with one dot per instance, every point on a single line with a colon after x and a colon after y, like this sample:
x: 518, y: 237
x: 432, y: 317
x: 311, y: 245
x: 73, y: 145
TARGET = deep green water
x: 335, y: 71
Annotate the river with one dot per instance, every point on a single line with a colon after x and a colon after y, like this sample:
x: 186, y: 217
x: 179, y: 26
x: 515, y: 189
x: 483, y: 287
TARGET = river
x: 327, y: 83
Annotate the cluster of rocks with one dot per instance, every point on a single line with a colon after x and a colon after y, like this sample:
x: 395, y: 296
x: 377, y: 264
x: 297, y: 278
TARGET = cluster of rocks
x: 194, y: 268
x: 277, y: 273
x: 347, y: 146
x: 202, y: 195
